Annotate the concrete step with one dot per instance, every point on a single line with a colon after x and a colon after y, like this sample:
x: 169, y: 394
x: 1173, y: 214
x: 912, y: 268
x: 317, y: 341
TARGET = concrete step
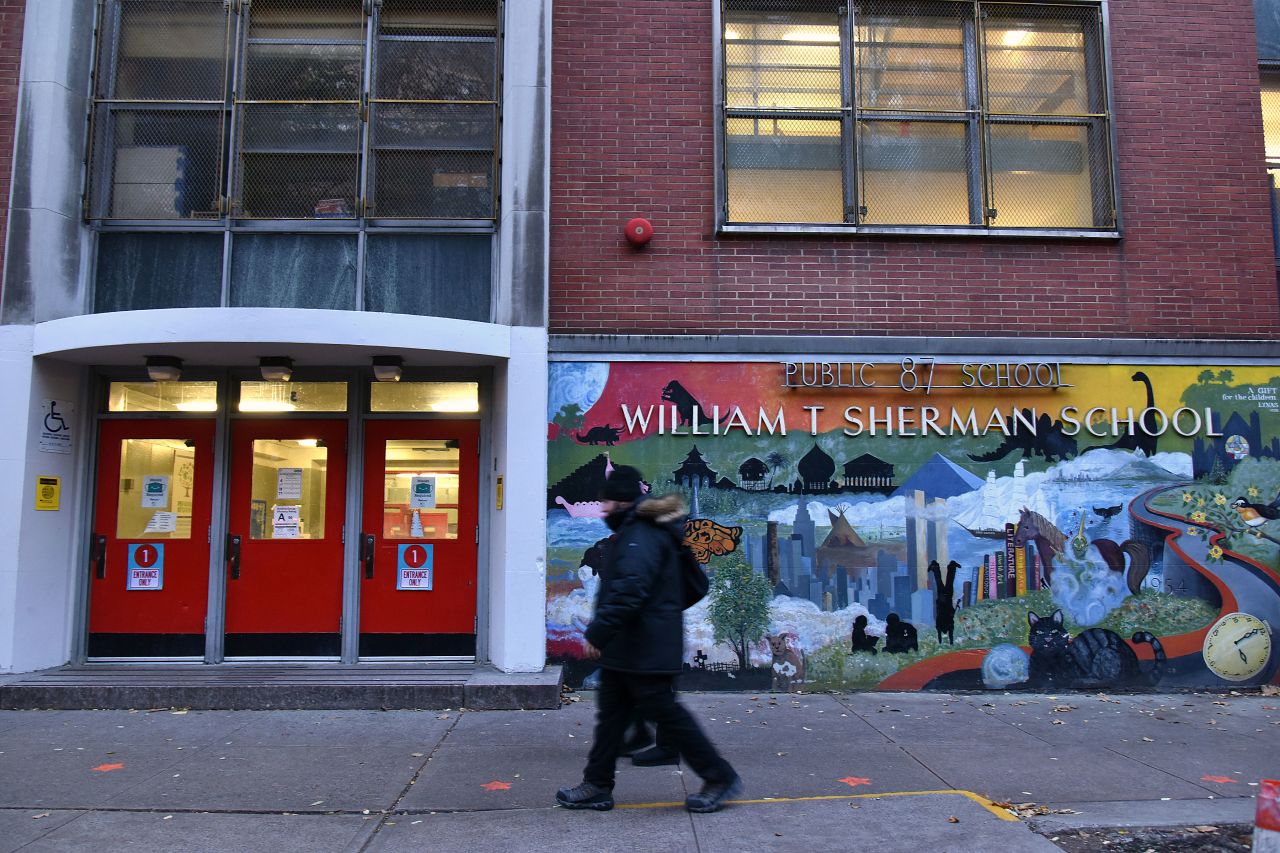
x: 300, y: 686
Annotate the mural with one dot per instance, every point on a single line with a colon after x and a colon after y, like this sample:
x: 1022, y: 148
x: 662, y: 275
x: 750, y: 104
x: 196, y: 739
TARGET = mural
x: 923, y: 525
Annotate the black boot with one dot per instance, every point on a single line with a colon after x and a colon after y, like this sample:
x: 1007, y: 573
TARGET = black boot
x: 585, y: 796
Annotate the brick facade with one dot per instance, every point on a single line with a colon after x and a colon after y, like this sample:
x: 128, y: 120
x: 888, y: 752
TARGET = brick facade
x: 633, y: 126
x: 11, y: 16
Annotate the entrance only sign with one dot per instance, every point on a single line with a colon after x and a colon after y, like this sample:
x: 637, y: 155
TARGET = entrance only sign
x: 415, y: 567
x: 146, y: 566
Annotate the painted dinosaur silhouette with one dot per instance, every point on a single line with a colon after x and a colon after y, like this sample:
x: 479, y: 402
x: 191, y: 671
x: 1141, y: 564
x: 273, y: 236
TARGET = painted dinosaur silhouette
x: 1048, y: 441
x: 1144, y: 439
x: 606, y: 434
x: 685, y: 403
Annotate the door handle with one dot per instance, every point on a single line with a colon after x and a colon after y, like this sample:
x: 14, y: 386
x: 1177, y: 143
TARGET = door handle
x: 98, y: 554
x: 368, y: 544
x: 233, y: 555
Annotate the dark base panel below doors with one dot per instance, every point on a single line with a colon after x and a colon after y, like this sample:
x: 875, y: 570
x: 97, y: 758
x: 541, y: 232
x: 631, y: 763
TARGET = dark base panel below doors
x: 146, y: 645
x: 417, y: 645
x: 283, y: 645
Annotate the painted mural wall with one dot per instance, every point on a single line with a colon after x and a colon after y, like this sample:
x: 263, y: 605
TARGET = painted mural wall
x: 912, y: 524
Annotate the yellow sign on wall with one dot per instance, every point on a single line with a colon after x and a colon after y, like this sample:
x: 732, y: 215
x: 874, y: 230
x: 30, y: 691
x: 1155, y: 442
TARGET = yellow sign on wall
x: 48, y: 492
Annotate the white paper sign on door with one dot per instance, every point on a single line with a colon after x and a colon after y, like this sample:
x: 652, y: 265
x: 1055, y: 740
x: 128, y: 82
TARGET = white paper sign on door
x: 155, y: 492
x: 285, y: 522
x: 422, y: 493
x: 162, y: 522
x: 288, y: 484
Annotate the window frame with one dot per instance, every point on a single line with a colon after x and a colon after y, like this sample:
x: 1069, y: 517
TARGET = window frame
x: 228, y: 223
x: 977, y: 155
x: 230, y: 176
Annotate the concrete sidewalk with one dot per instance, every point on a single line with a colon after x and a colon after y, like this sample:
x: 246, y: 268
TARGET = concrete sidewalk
x: 883, y: 772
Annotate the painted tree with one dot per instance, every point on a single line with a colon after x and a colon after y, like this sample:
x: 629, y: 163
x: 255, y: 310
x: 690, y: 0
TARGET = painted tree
x: 739, y: 610
x: 1205, y: 377
x: 568, y: 419
x: 774, y: 460
x: 1226, y: 377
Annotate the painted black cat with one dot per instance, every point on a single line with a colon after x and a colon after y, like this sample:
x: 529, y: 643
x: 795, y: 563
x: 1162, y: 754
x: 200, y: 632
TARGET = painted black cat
x: 1094, y: 658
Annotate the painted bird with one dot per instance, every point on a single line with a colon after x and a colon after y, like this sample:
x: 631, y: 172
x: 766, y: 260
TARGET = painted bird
x: 1108, y: 511
x: 1256, y: 515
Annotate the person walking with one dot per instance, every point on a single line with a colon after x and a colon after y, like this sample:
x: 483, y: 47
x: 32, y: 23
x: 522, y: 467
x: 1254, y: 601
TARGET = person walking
x: 637, y: 635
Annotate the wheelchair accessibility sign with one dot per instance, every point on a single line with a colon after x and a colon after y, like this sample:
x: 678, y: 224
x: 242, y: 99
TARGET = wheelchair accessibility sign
x: 415, y: 566
x: 55, y: 426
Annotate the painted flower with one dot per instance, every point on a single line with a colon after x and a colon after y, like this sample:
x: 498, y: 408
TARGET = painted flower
x: 1199, y: 517
x: 1187, y: 497
x: 1215, y: 553
x: 1200, y: 501
x: 1193, y: 531
x: 1220, y: 500
x: 1253, y: 491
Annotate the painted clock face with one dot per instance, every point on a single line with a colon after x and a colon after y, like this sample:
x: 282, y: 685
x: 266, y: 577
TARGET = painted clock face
x: 1238, y: 647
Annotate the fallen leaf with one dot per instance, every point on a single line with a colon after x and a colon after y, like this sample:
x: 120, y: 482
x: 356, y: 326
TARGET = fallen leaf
x: 855, y: 781
x: 38, y: 816
x: 1205, y: 828
x: 495, y: 785
x: 1059, y: 722
x: 107, y: 768
x: 1270, y: 690
x: 1221, y: 780
x: 416, y: 754
x: 1148, y: 740
x: 953, y: 819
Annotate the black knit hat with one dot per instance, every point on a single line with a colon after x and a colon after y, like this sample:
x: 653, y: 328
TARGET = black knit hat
x: 623, y: 485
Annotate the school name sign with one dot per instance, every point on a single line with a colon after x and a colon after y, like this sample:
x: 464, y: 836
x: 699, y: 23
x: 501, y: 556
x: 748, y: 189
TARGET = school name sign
x: 922, y: 376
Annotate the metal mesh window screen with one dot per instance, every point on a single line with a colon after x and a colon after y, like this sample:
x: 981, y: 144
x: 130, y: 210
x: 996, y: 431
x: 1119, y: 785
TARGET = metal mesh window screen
x: 433, y: 110
x: 913, y: 56
x: 1037, y: 60
x: 965, y: 114
x: 300, y: 104
x: 159, y: 110
x: 783, y: 91
x: 1049, y: 175
x: 915, y: 172
x: 163, y: 162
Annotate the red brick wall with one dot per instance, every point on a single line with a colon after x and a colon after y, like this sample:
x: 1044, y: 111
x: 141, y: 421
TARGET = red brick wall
x: 11, y: 12
x: 632, y: 136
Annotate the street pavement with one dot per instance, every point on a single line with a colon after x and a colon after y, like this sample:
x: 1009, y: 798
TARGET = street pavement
x: 873, y: 771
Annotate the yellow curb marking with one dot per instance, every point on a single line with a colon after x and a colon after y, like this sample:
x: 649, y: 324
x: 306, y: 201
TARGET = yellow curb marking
x: 990, y: 806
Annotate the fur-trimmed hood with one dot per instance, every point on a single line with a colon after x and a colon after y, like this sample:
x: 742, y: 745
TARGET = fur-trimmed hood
x: 663, y: 509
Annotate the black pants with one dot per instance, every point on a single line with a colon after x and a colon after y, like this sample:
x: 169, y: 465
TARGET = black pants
x: 653, y: 697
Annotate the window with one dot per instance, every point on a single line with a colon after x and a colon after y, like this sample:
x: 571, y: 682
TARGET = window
x: 1271, y: 135
x: 234, y: 133
x: 886, y: 114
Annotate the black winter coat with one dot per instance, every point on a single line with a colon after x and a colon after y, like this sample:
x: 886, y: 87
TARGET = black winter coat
x: 638, y: 624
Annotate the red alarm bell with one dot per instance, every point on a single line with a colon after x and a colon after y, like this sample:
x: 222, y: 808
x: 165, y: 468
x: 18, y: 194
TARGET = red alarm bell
x: 638, y: 231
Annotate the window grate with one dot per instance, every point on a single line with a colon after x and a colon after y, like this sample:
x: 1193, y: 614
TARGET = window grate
x: 887, y: 113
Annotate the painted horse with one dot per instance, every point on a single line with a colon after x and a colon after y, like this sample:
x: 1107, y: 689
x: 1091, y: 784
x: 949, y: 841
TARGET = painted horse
x: 1048, y: 539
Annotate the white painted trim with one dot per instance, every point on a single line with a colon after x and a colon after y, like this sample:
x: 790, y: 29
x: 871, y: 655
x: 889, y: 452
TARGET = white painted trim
x: 211, y: 335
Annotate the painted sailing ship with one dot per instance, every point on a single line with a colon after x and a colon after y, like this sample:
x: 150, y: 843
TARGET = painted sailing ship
x: 988, y: 519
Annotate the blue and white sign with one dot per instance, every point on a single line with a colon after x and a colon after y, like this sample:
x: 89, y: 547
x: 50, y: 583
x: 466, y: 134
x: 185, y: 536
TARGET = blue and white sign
x: 146, y: 566
x: 415, y: 567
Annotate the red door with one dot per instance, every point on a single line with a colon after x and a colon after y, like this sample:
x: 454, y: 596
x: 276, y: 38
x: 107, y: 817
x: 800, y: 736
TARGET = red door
x: 418, y: 540
x: 284, y: 541
x: 149, y: 559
